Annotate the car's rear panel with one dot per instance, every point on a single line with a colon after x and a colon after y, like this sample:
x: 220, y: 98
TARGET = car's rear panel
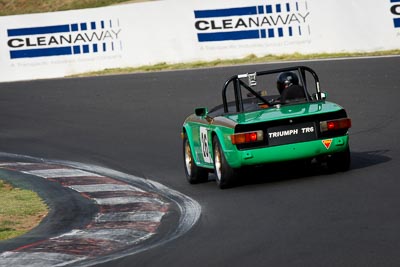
x: 289, y: 133
x: 291, y: 130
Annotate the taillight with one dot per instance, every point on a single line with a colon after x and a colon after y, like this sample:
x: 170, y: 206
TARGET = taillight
x: 334, y: 125
x: 247, y: 137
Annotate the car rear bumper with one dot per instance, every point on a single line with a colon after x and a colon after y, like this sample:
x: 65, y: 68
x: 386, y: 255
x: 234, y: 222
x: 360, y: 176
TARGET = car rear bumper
x: 304, y: 150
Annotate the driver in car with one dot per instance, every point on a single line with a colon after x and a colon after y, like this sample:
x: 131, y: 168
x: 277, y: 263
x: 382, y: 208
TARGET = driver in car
x: 289, y: 88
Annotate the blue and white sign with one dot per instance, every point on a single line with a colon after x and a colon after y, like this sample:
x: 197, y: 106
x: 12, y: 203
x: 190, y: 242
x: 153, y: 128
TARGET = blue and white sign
x: 395, y: 9
x: 283, y: 19
x: 66, y: 39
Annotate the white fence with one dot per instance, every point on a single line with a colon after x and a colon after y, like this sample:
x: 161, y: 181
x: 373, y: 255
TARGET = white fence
x: 57, y: 44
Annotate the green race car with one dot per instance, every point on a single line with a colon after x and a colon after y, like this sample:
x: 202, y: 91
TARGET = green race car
x: 265, y: 117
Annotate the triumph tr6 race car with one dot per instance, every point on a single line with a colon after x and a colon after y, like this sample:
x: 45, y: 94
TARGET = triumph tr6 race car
x: 264, y: 119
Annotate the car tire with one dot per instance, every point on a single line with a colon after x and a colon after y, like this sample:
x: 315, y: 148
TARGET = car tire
x: 225, y: 175
x: 339, y: 161
x: 194, y: 174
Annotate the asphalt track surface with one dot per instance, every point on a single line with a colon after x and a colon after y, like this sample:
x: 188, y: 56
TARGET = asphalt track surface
x: 132, y: 123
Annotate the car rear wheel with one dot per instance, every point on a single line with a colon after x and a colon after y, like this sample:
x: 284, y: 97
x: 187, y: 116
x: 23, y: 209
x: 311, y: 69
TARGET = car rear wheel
x: 225, y: 175
x: 194, y: 174
x: 340, y: 161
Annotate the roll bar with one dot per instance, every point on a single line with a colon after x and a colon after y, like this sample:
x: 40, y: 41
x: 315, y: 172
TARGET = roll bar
x: 238, y: 84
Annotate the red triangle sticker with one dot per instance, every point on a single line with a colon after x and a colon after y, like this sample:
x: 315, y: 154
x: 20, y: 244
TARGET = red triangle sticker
x: 327, y: 143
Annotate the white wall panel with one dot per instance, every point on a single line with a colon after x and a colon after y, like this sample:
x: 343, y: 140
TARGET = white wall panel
x: 63, y: 43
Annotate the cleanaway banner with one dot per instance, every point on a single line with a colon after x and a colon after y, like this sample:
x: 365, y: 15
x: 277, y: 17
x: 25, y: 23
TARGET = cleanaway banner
x: 58, y: 44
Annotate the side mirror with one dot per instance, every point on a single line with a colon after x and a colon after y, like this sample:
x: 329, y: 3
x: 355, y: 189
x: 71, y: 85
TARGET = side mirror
x: 201, y: 112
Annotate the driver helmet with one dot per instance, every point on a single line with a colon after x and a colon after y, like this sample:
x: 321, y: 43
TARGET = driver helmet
x: 286, y: 79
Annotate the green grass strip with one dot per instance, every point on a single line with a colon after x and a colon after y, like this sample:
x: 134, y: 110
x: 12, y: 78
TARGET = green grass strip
x: 20, y: 211
x: 17, y: 7
x: 251, y: 59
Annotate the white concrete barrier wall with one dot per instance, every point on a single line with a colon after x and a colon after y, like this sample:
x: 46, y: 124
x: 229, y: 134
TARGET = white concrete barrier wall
x: 57, y: 44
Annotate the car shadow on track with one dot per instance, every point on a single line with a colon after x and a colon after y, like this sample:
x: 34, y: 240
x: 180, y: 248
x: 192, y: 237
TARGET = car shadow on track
x: 361, y: 160
x: 300, y: 169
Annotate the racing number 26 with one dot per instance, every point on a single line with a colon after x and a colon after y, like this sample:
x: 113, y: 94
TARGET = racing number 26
x: 204, y: 145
